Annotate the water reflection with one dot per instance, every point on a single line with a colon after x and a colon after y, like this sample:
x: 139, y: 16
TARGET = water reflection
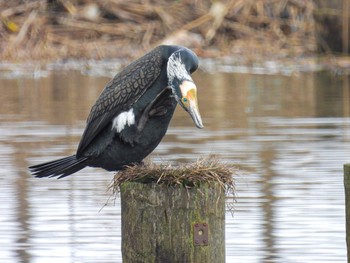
x: 290, y: 134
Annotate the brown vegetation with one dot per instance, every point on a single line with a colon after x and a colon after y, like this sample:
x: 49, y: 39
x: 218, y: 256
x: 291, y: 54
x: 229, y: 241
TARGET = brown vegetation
x: 54, y: 29
x: 187, y: 175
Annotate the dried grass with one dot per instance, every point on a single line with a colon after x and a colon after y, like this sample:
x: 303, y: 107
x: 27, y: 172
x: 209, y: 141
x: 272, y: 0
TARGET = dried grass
x: 205, y: 170
x: 42, y: 29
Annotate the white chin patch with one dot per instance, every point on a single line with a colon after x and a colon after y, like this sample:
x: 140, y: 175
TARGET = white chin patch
x: 186, y: 86
x: 124, y: 118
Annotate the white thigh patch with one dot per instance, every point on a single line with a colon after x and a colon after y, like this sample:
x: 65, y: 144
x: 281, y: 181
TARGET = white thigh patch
x: 124, y: 118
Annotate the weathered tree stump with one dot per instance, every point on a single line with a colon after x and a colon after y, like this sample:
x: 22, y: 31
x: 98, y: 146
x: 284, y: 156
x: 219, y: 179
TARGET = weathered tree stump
x: 347, y: 205
x: 168, y: 224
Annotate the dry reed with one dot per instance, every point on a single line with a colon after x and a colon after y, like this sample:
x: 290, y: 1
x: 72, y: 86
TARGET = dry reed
x: 206, y: 170
x: 42, y: 29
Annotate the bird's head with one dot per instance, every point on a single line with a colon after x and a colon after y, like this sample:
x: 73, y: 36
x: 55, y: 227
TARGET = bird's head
x: 181, y: 64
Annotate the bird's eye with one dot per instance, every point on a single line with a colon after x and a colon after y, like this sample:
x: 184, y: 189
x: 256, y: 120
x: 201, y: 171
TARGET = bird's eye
x: 184, y: 100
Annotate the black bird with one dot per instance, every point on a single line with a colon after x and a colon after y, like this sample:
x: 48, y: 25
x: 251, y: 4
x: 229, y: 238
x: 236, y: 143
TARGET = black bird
x: 133, y: 112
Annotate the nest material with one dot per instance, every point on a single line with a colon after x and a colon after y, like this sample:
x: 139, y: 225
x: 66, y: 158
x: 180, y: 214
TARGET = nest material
x: 113, y: 28
x: 189, y: 175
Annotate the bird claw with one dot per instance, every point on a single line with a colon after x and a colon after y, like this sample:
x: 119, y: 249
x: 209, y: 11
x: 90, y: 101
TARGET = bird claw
x: 160, y: 111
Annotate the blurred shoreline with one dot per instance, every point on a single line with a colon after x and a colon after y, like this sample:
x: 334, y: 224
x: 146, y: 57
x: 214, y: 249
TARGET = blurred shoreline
x: 233, y: 36
x: 48, y: 30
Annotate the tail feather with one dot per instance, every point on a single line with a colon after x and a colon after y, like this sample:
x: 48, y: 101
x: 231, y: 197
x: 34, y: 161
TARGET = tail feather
x: 61, y: 167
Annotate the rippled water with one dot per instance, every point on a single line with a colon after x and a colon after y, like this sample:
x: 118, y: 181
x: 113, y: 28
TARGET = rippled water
x: 288, y: 134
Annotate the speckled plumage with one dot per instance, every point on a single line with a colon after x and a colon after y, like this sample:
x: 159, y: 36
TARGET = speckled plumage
x: 140, y: 95
x: 120, y: 93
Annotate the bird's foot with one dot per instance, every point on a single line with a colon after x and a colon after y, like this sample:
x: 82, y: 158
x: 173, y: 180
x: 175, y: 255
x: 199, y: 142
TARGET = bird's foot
x: 158, y: 112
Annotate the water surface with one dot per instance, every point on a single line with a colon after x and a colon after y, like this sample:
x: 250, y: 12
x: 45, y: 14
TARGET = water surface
x: 288, y: 134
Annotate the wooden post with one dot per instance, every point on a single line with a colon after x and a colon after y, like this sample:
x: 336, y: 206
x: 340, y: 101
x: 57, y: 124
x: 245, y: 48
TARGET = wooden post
x: 168, y: 224
x: 347, y: 205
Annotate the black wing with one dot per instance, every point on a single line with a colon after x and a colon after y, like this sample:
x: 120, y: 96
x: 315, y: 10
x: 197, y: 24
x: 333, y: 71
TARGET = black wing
x: 121, y: 93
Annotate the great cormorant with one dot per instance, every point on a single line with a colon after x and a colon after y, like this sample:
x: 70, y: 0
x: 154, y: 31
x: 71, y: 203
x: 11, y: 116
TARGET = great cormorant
x: 133, y: 112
